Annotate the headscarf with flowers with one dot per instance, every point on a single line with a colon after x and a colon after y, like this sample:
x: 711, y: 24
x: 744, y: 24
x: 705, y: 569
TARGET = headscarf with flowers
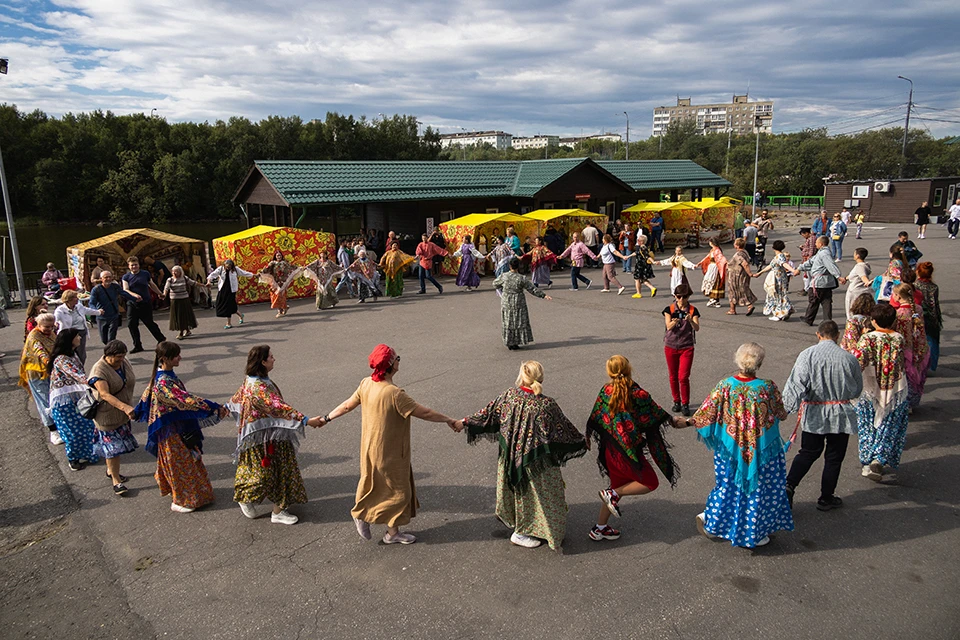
x: 640, y: 425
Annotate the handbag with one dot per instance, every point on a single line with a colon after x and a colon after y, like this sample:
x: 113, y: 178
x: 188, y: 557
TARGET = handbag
x: 89, y: 404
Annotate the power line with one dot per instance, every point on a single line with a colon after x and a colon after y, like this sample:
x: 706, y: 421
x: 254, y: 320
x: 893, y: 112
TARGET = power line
x: 876, y: 126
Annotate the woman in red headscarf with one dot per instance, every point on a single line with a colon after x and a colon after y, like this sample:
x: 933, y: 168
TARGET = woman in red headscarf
x: 386, y: 493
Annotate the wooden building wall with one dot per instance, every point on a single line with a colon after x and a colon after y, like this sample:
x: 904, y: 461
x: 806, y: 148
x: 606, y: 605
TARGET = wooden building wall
x: 896, y: 206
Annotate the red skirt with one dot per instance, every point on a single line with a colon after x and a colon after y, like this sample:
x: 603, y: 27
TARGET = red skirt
x: 622, y: 472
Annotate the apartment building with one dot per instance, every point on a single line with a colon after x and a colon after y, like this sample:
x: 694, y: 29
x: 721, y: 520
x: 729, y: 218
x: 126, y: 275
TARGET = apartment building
x: 498, y: 139
x: 535, y: 142
x: 606, y: 137
x: 737, y: 116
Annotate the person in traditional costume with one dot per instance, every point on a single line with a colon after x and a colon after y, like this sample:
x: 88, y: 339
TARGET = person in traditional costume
x: 34, y: 370
x: 883, y: 411
x: 268, y: 436
x: 386, y: 493
x: 322, y: 271
x: 227, y: 277
x: 501, y: 255
x: 68, y: 383
x: 678, y: 264
x: 859, y: 321
x: 740, y: 422
x: 177, y: 287
x: 643, y: 268
x: 174, y: 418
x: 738, y: 279
x: 368, y: 278
x: 279, y: 275
x: 514, y: 318
x: 884, y: 283
x: 777, y: 286
x: 916, y: 352
x: 627, y: 426
x: 426, y: 252
x: 535, y: 439
x: 36, y: 306
x: 714, y: 267
x: 932, y: 316
x: 393, y: 262
x: 113, y: 378
x: 467, y: 276
x: 540, y: 259
x: 822, y: 389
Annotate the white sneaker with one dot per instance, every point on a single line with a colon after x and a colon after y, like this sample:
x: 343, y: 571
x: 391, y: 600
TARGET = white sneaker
x: 762, y: 542
x: 178, y: 509
x: 620, y: 290
x: 401, y: 538
x: 701, y: 527
x: 774, y: 319
x: 525, y: 541
x: 870, y: 474
x: 284, y: 517
x: 55, y: 438
x: 249, y: 509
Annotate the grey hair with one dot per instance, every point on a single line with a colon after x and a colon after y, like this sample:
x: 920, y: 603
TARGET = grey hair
x: 176, y: 268
x: 43, y: 318
x: 749, y: 357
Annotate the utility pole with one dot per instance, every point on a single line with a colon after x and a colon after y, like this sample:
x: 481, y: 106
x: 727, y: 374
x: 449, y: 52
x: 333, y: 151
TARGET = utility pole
x: 9, y: 212
x: 726, y: 170
x: 906, y: 127
x: 757, y: 122
x: 628, y: 134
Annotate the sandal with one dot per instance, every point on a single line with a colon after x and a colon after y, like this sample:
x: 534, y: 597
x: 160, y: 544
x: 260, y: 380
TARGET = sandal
x: 731, y: 313
x: 228, y: 326
x: 241, y: 318
x: 749, y: 310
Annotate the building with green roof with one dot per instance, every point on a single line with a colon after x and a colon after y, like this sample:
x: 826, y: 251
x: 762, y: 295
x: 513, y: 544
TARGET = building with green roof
x: 409, y: 196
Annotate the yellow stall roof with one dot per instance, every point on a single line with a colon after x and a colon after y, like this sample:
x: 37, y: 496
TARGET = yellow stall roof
x: 126, y: 233
x: 477, y: 219
x: 551, y: 214
x: 249, y: 233
x: 658, y: 206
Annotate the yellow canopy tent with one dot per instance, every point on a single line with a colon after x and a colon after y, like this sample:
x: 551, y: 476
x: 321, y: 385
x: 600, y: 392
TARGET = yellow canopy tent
x: 679, y: 218
x: 252, y: 249
x: 717, y: 218
x: 191, y: 254
x: 483, y: 228
x: 567, y: 220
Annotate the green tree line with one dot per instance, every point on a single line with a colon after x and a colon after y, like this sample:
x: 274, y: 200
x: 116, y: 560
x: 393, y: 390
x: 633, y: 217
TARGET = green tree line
x: 790, y: 163
x: 99, y: 166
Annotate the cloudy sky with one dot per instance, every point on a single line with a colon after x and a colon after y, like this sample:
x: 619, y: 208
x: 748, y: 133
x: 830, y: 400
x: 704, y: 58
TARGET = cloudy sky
x: 535, y: 66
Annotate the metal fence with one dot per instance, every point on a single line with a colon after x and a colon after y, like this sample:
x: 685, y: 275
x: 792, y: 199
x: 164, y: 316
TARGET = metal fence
x: 788, y: 201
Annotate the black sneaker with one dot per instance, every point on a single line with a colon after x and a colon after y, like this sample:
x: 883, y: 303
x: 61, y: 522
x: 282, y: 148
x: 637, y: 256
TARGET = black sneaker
x: 119, y: 489
x: 685, y: 410
x: 136, y: 350
x: 676, y: 407
x: 75, y: 465
x: 123, y: 478
x: 606, y: 533
x: 831, y: 502
x: 790, y: 491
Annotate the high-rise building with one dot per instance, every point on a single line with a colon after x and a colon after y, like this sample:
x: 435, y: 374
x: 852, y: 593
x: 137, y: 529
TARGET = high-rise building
x: 739, y: 116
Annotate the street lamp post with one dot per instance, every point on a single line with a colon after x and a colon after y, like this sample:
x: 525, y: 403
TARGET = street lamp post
x: 9, y: 212
x: 628, y: 135
x: 757, y: 123
x: 906, y: 127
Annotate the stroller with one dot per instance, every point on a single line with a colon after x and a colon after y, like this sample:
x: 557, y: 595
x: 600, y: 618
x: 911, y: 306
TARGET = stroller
x: 760, y: 254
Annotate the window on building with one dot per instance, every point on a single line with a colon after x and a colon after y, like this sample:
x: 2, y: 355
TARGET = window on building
x: 937, y: 197
x: 861, y: 191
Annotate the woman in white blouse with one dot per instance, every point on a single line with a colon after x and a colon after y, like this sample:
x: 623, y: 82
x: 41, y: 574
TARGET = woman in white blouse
x: 227, y: 289
x: 70, y: 315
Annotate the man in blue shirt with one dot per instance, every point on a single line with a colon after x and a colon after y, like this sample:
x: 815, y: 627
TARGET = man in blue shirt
x: 139, y: 283
x: 656, y: 232
x: 106, y: 297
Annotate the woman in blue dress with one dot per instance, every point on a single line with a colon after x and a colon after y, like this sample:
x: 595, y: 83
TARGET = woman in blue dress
x: 740, y: 423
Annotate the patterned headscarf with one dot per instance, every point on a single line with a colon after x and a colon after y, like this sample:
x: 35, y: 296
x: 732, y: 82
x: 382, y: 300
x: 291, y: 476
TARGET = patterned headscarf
x: 380, y: 360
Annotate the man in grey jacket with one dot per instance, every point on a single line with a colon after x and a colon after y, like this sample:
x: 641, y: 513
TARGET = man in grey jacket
x: 824, y: 278
x: 822, y: 387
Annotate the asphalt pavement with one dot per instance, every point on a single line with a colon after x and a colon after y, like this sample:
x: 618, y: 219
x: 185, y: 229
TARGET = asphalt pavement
x: 76, y: 559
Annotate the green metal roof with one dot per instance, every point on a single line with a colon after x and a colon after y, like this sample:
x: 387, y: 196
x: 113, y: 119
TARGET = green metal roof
x: 651, y: 175
x: 301, y: 182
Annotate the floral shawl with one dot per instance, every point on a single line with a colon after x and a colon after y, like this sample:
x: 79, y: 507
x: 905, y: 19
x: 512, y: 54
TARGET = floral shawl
x: 882, y: 358
x: 541, y: 255
x: 393, y: 262
x: 532, y: 431
x: 910, y: 326
x: 67, y: 381
x: 279, y: 274
x: 322, y: 272
x: 35, y: 356
x: 262, y: 416
x: 501, y: 255
x: 639, y: 426
x: 716, y: 255
x: 856, y: 327
x: 169, y: 409
x: 894, y: 269
x: 740, y: 421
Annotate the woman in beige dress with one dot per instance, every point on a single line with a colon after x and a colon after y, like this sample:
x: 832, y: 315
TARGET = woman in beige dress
x: 386, y: 493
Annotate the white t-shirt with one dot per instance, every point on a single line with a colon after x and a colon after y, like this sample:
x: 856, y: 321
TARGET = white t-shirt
x: 955, y: 211
x: 845, y: 216
x: 606, y: 254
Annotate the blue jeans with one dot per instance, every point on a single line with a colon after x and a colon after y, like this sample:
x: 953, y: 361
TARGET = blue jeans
x: 426, y: 275
x: 575, y: 275
x: 656, y: 241
x: 836, y: 249
x: 628, y: 265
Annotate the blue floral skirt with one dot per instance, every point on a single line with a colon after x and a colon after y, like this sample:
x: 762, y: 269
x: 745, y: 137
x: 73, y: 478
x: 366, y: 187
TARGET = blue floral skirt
x: 884, y: 444
x: 77, y: 432
x: 744, y: 518
x: 110, y: 444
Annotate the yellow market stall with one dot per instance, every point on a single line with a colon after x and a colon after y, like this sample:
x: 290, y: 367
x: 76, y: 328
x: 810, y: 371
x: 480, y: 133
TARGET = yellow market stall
x: 191, y: 254
x: 680, y: 219
x: 483, y: 228
x: 717, y: 218
x: 253, y: 249
x: 567, y: 220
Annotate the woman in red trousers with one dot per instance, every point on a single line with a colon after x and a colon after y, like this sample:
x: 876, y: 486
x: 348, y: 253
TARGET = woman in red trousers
x: 682, y: 322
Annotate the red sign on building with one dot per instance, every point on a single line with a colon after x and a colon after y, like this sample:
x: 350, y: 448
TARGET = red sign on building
x: 582, y: 196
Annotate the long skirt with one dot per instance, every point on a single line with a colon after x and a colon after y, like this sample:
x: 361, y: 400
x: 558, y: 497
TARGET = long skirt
x: 777, y: 304
x: 539, y: 510
x: 515, y: 320
x: 710, y: 280
x: 78, y: 433
x: 327, y: 297
x: 746, y: 518
x: 226, y: 302
x: 738, y: 284
x: 279, y: 482
x: 395, y: 285
x: 540, y: 277
x: 182, y: 317
x: 916, y: 377
x: 111, y: 444
x: 180, y: 472
x: 883, y: 443
x: 467, y: 275
x: 40, y: 391
x: 278, y: 300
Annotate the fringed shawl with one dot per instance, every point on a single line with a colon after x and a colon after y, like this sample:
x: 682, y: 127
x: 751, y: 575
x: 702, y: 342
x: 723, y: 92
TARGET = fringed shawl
x: 262, y: 415
x: 169, y: 409
x: 532, y: 432
x: 35, y: 356
x: 640, y: 426
x: 716, y: 255
x: 740, y: 420
x: 67, y: 381
x: 279, y: 274
x: 393, y: 262
x: 541, y: 255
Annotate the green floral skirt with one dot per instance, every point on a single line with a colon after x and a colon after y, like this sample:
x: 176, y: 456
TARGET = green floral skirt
x: 539, y: 510
x: 279, y: 482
